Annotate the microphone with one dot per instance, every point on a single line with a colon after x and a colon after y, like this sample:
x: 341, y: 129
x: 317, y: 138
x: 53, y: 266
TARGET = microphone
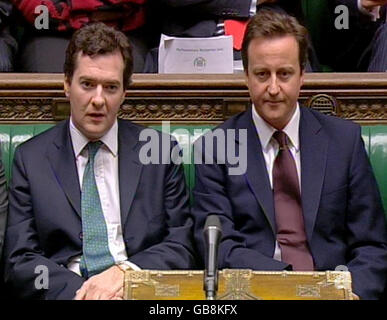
x: 212, y: 235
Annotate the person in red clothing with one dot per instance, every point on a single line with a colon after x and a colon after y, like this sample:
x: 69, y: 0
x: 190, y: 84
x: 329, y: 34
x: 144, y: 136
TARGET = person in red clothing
x: 42, y: 50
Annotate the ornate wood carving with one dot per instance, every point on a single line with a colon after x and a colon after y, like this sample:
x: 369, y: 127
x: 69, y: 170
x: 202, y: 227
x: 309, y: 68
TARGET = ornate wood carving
x: 235, y: 284
x: 324, y: 103
x: 363, y: 109
x: 195, y: 98
x: 26, y: 109
x: 172, y: 109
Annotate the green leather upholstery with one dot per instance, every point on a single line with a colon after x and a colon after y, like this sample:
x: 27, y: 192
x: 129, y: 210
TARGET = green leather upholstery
x: 13, y: 135
x: 186, y: 136
x: 378, y: 156
x: 375, y: 139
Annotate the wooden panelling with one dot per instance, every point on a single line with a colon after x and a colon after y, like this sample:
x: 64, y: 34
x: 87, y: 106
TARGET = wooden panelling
x: 208, y: 98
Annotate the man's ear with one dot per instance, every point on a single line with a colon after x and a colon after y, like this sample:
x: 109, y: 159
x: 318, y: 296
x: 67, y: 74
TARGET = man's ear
x: 66, y: 87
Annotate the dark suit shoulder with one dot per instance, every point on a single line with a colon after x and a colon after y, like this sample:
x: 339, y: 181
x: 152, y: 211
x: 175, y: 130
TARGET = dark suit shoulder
x: 333, y: 122
x: 241, y: 120
x: 339, y: 132
x: 131, y: 125
x: 40, y: 141
x: 135, y: 129
x: 230, y: 129
x: 237, y: 121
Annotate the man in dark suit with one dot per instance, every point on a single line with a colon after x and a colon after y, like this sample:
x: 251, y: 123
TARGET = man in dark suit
x: 361, y: 47
x: 375, y: 54
x: 83, y: 206
x: 3, y: 220
x: 3, y: 205
x: 308, y: 199
x: 8, y: 45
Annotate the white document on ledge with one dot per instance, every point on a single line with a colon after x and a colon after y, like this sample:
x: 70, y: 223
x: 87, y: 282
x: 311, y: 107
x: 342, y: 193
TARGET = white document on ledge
x: 196, y: 55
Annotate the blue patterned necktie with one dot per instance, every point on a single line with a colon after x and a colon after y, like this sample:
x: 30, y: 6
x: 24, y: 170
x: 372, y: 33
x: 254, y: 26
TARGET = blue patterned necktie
x: 96, y: 255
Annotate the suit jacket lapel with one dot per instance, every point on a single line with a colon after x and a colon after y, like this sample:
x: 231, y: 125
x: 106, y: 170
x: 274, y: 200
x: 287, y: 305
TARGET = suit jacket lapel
x: 256, y: 174
x: 61, y: 157
x: 129, y: 166
x: 314, y: 147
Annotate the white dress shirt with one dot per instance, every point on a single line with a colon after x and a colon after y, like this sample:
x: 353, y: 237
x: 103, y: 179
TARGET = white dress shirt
x: 270, y: 148
x: 107, y: 180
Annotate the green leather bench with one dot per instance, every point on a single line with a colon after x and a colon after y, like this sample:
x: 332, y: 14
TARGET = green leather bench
x: 375, y: 139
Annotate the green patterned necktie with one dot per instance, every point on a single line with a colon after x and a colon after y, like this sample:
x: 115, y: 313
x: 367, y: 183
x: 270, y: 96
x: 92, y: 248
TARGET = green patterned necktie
x: 96, y: 255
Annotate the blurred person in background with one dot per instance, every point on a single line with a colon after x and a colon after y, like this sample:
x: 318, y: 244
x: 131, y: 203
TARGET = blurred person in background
x: 362, y: 46
x: 8, y: 45
x: 198, y: 18
x: 43, y: 50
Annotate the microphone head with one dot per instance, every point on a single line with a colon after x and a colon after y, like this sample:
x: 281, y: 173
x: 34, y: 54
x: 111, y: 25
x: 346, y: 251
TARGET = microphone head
x: 213, y: 222
x: 212, y: 235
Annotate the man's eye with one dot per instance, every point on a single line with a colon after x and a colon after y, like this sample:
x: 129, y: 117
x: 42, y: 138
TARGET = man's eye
x: 111, y: 87
x: 285, y: 74
x: 261, y: 75
x: 86, y: 84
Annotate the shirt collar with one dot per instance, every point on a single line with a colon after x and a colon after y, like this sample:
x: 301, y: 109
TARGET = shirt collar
x: 265, y: 131
x: 110, y: 139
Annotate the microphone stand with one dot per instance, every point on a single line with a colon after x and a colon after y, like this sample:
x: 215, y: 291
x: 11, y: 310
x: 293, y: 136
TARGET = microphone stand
x: 212, y: 235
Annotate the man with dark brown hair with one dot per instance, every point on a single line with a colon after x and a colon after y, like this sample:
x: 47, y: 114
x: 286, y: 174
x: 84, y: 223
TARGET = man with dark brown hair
x: 308, y: 199
x: 83, y: 206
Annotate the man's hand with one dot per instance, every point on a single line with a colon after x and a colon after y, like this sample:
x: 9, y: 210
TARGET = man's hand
x: 370, y: 4
x: 355, y: 296
x: 107, y: 285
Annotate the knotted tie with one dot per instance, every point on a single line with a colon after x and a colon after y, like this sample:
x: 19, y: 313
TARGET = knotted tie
x: 288, y: 210
x: 96, y: 255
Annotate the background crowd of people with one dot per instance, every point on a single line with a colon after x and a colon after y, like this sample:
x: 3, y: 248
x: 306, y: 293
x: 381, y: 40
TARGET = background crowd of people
x: 27, y: 44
